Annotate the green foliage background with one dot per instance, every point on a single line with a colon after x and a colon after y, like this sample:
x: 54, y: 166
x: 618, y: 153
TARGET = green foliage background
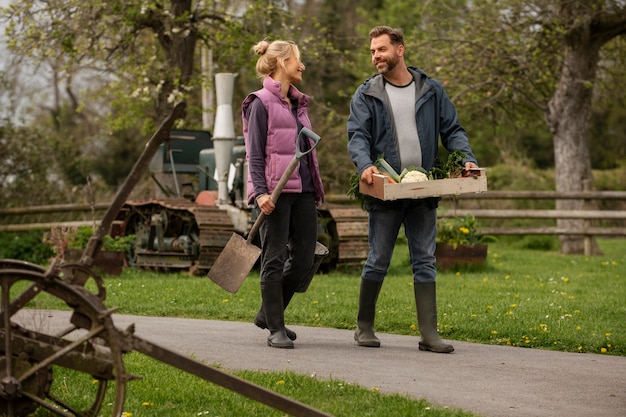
x: 111, y: 69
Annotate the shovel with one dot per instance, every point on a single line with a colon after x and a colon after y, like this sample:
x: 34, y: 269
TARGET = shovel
x: 239, y: 255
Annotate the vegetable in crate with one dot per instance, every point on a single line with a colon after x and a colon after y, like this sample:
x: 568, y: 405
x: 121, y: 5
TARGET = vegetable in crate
x: 386, y: 169
x: 453, y: 168
x: 414, y: 176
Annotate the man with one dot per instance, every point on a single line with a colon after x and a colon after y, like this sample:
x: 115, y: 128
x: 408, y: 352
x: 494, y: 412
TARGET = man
x: 401, y: 113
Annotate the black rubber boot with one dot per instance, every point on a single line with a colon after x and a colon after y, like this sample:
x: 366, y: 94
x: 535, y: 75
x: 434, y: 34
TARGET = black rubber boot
x: 364, y: 334
x: 259, y: 319
x: 272, y: 294
x: 426, y: 304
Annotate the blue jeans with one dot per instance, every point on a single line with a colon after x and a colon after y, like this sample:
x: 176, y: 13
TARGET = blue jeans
x: 419, y: 217
x: 288, y: 238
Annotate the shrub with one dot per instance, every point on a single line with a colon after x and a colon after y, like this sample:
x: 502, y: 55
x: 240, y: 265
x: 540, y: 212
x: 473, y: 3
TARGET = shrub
x: 25, y: 246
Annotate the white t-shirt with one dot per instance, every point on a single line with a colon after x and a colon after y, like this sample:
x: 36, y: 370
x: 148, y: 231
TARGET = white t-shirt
x: 402, y: 101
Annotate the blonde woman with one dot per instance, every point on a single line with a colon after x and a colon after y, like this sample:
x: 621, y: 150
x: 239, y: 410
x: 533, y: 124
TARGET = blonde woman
x: 272, y: 119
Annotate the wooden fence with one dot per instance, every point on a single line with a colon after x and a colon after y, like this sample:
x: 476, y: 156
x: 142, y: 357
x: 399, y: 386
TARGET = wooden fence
x: 606, y: 215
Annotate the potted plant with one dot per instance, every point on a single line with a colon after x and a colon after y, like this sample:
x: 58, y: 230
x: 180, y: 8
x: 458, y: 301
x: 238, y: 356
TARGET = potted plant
x: 460, y: 243
x: 70, y: 242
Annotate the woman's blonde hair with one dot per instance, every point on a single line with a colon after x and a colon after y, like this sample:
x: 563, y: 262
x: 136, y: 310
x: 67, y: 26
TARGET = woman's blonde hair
x: 269, y: 52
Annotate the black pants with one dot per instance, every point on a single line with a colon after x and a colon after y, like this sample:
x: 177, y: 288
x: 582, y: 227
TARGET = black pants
x: 288, y: 238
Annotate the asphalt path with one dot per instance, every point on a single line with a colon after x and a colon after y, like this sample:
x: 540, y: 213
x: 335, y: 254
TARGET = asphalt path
x: 491, y: 381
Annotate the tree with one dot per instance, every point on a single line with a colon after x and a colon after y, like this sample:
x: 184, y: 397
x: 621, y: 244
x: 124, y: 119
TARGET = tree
x: 586, y: 28
x: 145, y: 56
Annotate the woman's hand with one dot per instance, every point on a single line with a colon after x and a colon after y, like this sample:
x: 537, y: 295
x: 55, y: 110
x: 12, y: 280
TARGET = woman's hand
x: 265, y: 203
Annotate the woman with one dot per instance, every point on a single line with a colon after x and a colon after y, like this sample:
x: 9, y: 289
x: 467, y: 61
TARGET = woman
x: 272, y: 118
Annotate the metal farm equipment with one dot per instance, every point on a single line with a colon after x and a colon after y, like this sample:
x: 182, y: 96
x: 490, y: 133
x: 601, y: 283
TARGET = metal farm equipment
x: 90, y: 346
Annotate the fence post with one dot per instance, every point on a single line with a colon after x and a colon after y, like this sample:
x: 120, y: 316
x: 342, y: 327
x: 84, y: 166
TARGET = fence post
x: 587, y: 242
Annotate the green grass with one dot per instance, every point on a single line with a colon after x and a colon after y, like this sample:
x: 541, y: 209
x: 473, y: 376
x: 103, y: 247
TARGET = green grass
x: 151, y: 396
x: 529, y: 298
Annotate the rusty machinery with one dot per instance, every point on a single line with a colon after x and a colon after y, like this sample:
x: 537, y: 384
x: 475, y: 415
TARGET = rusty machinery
x: 90, y: 346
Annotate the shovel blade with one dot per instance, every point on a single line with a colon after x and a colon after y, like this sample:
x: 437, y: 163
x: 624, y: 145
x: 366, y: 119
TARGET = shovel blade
x: 234, y: 264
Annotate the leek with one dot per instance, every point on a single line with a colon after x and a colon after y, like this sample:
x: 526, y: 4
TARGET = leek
x: 384, y: 167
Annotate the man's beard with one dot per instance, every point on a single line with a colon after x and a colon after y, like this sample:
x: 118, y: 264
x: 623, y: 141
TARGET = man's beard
x: 390, y: 64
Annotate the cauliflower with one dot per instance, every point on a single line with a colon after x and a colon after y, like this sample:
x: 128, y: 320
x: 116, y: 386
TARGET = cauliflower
x: 414, y: 176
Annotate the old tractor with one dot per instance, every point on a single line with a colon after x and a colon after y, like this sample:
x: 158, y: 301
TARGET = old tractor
x: 202, y: 178
x: 37, y: 361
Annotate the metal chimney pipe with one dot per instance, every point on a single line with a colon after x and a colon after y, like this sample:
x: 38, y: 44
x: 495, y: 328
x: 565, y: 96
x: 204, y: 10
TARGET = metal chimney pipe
x: 224, y: 132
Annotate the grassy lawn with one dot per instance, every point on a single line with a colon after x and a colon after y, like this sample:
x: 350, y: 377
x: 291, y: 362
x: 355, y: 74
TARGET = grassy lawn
x: 529, y: 298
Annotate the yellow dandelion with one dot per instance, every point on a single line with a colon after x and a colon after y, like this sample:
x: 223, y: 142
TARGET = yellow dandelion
x: 375, y: 389
x: 485, y: 279
x: 280, y: 382
x: 578, y: 328
x: 580, y: 348
x: 607, y: 334
x: 489, y: 307
x: 603, y: 350
x: 225, y: 300
x: 127, y: 414
x: 509, y: 313
x: 507, y: 276
x: 413, y: 327
x: 513, y: 305
x: 565, y: 279
x: 494, y: 332
x: 315, y: 302
x: 464, y: 230
x: 147, y: 404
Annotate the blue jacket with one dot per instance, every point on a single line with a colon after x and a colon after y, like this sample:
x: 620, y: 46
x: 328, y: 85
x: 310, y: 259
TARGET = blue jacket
x: 371, y: 130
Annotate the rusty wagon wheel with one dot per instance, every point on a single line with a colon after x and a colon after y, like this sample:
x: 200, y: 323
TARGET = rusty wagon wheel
x: 66, y: 368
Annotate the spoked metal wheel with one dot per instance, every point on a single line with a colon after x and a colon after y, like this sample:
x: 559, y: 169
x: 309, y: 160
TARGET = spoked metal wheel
x: 66, y: 362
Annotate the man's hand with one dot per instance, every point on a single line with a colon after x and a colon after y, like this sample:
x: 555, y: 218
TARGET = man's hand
x: 468, y: 167
x: 367, y: 174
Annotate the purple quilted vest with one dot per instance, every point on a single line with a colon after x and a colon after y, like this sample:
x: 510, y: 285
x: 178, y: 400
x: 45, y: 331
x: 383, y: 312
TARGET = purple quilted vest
x: 282, y: 131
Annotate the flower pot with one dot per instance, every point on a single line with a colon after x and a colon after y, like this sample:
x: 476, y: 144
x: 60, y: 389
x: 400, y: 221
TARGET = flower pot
x: 449, y: 257
x: 107, y: 262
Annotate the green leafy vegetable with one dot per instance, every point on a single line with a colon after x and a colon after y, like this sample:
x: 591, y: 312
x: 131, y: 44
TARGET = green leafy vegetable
x: 452, y: 168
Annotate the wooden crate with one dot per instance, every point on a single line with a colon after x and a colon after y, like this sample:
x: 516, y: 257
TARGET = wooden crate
x: 384, y: 190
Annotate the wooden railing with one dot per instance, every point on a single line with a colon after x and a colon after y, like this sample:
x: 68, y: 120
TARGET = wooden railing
x: 607, y: 221
x: 19, y: 219
x: 603, y: 214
